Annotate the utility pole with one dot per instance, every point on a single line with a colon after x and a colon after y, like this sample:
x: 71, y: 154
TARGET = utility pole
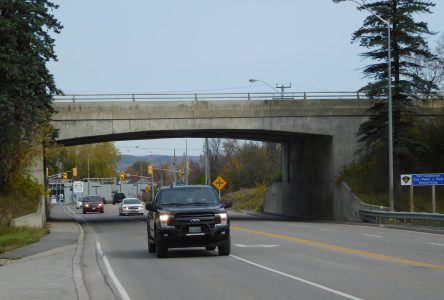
x: 207, y: 164
x: 282, y: 87
x: 88, y: 173
x: 174, y: 168
x: 186, y: 161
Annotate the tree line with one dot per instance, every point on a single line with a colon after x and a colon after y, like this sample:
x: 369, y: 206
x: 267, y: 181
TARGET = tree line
x: 243, y: 164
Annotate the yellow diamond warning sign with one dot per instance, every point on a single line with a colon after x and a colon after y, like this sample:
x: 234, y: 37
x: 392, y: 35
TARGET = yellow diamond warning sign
x: 219, y: 183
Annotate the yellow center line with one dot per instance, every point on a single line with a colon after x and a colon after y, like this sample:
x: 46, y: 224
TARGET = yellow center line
x: 346, y: 250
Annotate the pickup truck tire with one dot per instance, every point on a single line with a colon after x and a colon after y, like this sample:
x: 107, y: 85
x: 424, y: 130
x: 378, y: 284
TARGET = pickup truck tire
x: 161, y: 250
x: 151, y: 247
x: 225, y: 248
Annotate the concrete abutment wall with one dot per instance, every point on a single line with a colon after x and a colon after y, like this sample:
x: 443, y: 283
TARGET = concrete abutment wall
x: 307, y: 174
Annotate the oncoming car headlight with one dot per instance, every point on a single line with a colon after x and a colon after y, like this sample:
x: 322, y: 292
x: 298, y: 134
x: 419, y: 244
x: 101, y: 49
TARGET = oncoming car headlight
x: 223, y: 219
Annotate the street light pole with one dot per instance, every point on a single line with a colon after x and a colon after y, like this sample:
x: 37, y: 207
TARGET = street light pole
x: 254, y: 80
x: 389, y: 99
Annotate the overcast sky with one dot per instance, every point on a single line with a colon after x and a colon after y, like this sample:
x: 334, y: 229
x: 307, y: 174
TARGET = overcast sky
x: 142, y: 46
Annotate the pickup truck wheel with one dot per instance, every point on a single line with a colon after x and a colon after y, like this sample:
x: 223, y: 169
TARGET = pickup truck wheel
x: 151, y: 247
x: 210, y: 248
x: 225, y: 248
x: 161, y: 250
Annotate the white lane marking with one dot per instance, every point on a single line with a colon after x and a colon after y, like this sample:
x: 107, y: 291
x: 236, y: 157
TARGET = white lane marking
x: 347, y: 296
x: 326, y: 229
x: 295, y: 225
x: 255, y: 246
x: 75, y: 216
x: 372, y: 235
x: 434, y: 244
x: 112, y: 275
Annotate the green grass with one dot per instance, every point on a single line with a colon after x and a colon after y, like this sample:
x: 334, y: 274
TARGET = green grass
x: 16, y: 237
x: 248, y: 199
x: 422, y: 198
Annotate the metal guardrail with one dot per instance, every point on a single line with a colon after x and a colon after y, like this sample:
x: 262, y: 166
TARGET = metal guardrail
x: 341, y: 95
x: 427, y: 219
x: 209, y: 96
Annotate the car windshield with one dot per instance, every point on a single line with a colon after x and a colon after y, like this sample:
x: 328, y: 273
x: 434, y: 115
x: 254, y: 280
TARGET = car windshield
x: 188, y: 196
x: 93, y: 199
x: 131, y: 201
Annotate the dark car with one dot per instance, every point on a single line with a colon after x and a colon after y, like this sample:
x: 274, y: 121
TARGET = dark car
x: 118, y: 197
x: 188, y: 216
x: 92, y: 204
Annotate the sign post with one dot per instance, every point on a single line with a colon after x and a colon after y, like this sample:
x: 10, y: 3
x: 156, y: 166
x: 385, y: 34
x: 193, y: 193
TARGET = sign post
x: 219, y: 184
x: 422, y: 180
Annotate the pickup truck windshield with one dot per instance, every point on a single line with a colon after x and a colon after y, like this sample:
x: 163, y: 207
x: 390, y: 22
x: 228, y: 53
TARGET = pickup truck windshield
x: 188, y: 196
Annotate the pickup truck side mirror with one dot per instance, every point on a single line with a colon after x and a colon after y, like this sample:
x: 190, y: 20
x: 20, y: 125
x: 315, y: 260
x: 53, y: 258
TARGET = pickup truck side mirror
x: 149, y: 206
x: 228, y: 204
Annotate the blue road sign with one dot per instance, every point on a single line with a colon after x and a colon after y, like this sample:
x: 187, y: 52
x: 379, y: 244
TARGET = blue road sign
x: 422, y: 179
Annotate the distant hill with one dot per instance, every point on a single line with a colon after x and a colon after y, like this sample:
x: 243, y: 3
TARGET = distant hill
x: 156, y: 160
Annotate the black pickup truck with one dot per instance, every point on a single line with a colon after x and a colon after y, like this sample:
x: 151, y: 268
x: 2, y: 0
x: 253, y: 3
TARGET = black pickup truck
x: 188, y: 216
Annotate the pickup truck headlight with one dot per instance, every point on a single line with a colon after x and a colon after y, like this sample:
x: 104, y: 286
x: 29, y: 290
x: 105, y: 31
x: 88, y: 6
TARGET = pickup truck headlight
x: 223, y: 219
x: 163, y: 219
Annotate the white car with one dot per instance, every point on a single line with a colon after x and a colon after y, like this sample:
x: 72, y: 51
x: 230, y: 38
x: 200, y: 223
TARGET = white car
x: 79, y: 203
x: 130, y: 206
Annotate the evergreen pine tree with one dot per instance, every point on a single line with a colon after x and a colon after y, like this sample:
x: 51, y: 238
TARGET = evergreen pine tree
x: 26, y: 85
x: 407, y: 42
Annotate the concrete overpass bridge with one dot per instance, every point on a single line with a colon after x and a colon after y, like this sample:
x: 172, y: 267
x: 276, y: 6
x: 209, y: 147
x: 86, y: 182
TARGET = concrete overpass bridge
x: 317, y: 133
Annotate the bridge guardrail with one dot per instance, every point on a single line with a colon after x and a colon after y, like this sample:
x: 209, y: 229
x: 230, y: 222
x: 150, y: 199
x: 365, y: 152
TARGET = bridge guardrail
x: 340, y: 95
x: 209, y: 96
x: 428, y: 219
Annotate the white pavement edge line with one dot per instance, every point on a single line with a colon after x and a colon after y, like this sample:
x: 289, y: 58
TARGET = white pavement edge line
x: 82, y: 294
x: 112, y: 275
x: 73, y: 214
x: 435, y: 244
x: 297, y: 278
x: 372, y: 235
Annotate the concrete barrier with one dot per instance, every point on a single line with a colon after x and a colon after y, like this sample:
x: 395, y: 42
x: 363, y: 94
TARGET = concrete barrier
x: 37, y: 219
x: 347, y: 205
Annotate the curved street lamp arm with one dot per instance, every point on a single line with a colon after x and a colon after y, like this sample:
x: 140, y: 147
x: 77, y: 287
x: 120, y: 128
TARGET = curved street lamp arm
x: 362, y: 4
x: 254, y: 80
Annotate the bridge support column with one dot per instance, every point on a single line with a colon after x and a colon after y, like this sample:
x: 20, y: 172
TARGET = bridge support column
x: 285, y: 162
x: 308, y: 190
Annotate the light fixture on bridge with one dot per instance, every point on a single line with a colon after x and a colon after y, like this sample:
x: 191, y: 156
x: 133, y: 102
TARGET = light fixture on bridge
x: 282, y: 87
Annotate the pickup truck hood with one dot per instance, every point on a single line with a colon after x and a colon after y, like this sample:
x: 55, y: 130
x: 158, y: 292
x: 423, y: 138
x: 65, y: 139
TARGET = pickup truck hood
x: 192, y: 209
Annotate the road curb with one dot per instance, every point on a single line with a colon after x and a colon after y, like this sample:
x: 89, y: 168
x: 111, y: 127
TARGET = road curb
x: 82, y: 294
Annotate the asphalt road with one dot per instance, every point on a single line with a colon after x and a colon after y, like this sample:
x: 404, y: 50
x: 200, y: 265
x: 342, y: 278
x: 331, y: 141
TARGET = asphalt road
x: 273, y: 259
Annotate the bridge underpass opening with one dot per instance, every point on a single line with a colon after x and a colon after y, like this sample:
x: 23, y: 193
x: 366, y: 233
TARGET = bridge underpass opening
x: 301, y: 183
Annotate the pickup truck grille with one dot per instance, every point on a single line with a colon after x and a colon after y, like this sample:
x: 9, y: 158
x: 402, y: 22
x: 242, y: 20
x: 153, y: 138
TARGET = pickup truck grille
x: 182, y: 222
